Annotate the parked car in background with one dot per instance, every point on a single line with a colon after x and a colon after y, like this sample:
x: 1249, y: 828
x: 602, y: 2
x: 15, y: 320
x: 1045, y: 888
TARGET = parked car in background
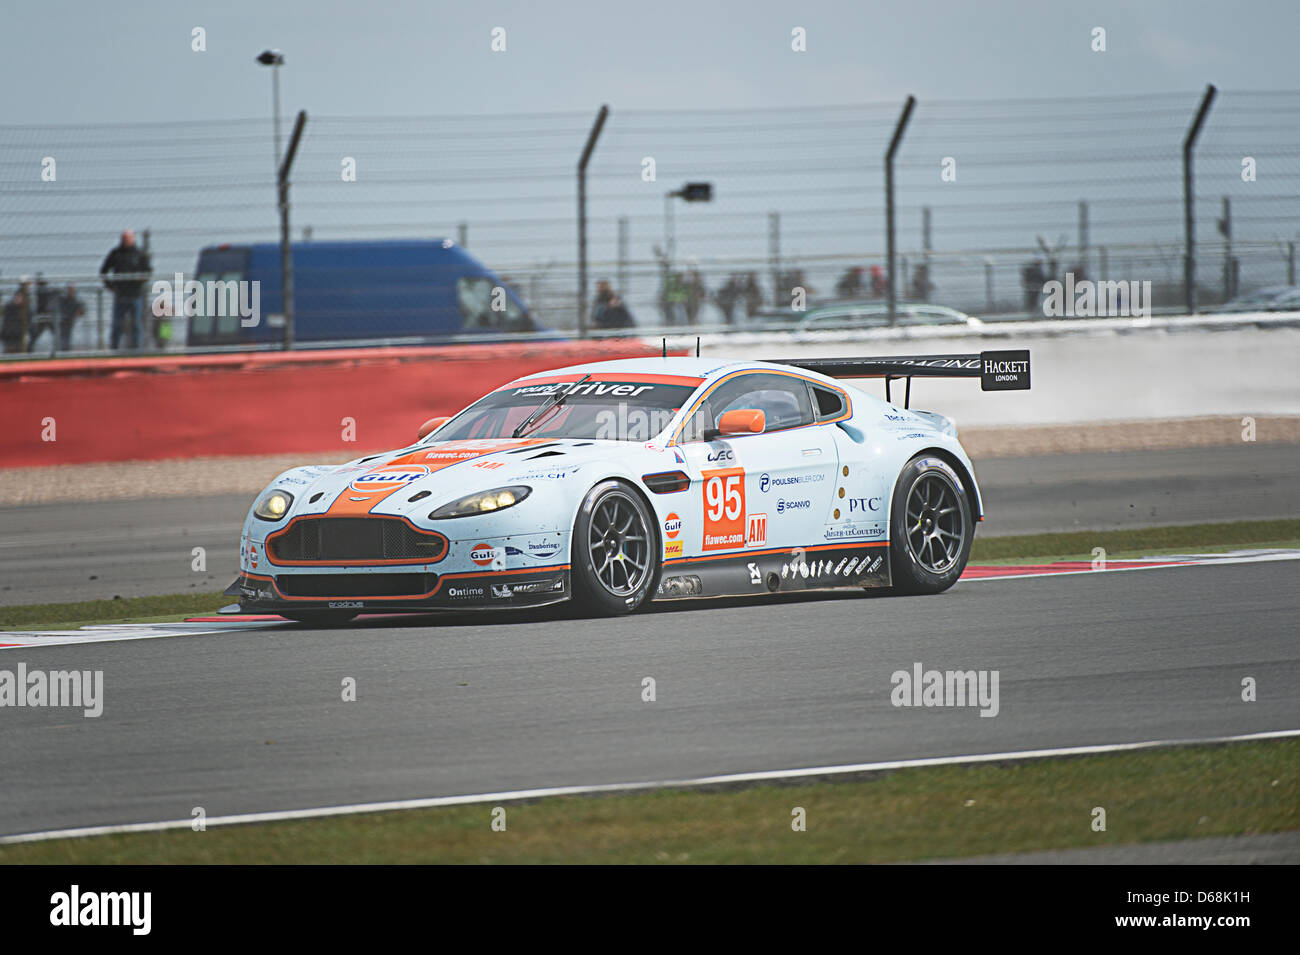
x: 1270, y: 299
x: 1288, y: 301
x: 360, y: 290
x: 836, y: 316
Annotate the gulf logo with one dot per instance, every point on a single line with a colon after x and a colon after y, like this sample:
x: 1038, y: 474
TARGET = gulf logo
x: 672, y: 526
x: 385, y: 479
x: 482, y: 554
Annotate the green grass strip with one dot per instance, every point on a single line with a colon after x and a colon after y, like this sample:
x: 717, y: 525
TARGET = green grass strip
x: 924, y: 813
x: 1238, y: 534
x: 69, y: 616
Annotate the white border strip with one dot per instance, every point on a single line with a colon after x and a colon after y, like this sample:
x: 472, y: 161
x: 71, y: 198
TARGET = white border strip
x: 518, y: 794
x: 1185, y: 561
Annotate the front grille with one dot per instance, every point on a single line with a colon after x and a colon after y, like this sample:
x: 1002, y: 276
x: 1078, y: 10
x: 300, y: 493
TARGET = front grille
x: 356, y: 585
x: 347, y: 539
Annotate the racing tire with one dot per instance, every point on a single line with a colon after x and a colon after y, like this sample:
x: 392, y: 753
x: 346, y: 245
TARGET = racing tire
x: 930, y: 525
x: 615, y: 556
x: 321, y: 618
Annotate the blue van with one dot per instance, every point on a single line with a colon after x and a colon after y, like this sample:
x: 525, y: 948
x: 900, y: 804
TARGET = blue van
x: 359, y: 290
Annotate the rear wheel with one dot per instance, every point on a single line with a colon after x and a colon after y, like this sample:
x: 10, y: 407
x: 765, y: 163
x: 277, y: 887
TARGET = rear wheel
x: 931, y: 527
x: 321, y: 618
x: 615, y: 550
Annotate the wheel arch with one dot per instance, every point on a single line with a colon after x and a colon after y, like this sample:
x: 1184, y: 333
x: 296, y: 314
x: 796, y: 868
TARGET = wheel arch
x: 656, y: 527
x: 963, y: 472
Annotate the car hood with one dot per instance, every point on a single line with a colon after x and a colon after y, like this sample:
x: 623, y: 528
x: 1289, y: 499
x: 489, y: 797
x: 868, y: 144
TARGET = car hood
x: 446, y: 470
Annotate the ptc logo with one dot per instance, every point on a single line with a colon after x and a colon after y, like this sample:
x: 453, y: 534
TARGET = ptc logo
x: 764, y: 482
x: 864, y: 504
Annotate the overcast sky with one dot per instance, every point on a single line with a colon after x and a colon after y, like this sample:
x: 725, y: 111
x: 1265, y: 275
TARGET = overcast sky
x: 83, y: 62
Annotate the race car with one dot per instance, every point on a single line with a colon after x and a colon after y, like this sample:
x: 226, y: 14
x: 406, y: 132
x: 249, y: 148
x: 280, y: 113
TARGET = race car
x: 620, y: 482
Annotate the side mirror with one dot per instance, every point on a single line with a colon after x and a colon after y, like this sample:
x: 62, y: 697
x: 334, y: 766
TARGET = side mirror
x: 430, y: 426
x: 742, y: 421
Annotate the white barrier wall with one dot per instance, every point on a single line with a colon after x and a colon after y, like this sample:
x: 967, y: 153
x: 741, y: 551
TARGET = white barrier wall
x: 1113, y: 372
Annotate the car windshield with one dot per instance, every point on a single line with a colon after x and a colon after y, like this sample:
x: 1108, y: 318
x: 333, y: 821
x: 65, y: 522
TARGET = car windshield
x: 622, y: 410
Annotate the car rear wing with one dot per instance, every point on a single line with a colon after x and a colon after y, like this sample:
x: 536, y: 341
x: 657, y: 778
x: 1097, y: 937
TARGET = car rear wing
x: 997, y: 370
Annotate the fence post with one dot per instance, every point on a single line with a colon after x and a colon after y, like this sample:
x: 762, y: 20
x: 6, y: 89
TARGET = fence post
x: 622, y: 257
x: 774, y: 254
x: 1083, y: 236
x: 988, y: 285
x: 1225, y: 230
x: 1189, y: 216
x: 889, y: 206
x: 462, y: 234
x: 925, y: 248
x: 1290, y: 263
x: 582, y: 217
x: 286, y: 245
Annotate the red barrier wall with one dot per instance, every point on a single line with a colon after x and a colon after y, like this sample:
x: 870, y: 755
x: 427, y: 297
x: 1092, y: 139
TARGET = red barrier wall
x: 122, y: 409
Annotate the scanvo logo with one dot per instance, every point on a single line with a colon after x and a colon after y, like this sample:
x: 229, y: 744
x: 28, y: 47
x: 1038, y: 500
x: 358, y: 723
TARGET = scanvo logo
x: 385, y: 479
x: 672, y: 526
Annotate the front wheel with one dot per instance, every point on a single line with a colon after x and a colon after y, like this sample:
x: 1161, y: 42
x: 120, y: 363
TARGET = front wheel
x: 615, y: 550
x: 930, y: 527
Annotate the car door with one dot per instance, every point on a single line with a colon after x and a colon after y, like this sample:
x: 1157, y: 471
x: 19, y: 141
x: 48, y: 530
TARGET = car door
x: 764, y: 491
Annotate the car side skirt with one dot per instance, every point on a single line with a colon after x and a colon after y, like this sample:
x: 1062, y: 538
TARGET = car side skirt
x: 822, y: 567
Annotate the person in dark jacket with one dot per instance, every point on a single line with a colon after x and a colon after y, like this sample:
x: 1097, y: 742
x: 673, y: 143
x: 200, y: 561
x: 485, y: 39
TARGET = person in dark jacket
x: 126, y: 269
x: 69, y: 308
x: 615, y: 314
x: 17, y: 319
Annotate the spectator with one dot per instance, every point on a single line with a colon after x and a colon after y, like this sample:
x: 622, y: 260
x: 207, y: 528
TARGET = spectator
x: 727, y: 296
x: 17, y: 319
x: 850, y: 284
x: 44, y: 296
x: 1032, y: 278
x: 752, y: 294
x: 878, y: 285
x: 673, y: 297
x: 126, y: 269
x: 68, y: 308
x: 921, y: 285
x: 614, y: 314
x: 695, y: 295
x: 604, y: 292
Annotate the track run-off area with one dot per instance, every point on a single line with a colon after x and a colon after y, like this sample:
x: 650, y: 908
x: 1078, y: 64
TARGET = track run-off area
x: 252, y: 719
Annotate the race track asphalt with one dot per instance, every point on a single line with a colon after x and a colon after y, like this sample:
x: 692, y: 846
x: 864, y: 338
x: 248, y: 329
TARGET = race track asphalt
x: 254, y: 721
x: 59, y: 552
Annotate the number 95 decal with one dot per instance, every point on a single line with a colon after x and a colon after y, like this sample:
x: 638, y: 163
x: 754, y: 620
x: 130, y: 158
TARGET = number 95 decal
x: 724, y: 509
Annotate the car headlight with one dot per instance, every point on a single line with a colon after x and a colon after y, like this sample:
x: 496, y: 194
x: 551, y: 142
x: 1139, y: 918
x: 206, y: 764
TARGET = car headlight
x: 484, y: 502
x: 273, y: 505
